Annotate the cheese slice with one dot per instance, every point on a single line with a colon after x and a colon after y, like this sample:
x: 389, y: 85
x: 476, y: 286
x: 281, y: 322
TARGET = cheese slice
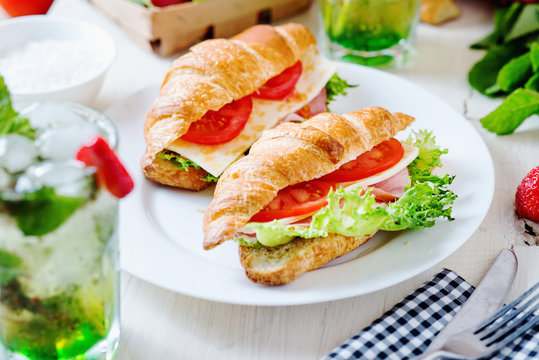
x: 410, y: 153
x: 265, y: 114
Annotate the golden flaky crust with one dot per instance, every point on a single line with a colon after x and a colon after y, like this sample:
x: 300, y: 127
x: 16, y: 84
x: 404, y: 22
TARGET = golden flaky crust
x: 281, y: 264
x: 289, y: 154
x: 436, y: 12
x: 213, y: 74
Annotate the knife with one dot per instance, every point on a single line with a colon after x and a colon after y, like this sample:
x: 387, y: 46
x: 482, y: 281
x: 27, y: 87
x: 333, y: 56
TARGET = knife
x: 486, y: 299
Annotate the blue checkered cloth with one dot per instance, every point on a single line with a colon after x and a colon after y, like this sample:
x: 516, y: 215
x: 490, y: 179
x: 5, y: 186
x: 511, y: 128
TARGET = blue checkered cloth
x: 409, y: 327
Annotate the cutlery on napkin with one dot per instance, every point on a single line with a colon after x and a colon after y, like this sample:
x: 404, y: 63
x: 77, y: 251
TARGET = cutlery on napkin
x: 406, y: 330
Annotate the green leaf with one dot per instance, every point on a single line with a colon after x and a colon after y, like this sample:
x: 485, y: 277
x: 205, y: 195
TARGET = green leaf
x: 184, y: 164
x: 353, y: 213
x: 243, y: 242
x: 534, y: 56
x: 484, y: 73
x: 181, y: 162
x: 515, y: 73
x: 147, y: 3
x: 336, y: 86
x: 518, y: 106
x: 10, y: 121
x: 526, y: 22
x: 42, y: 211
x: 420, y: 205
x: 428, y: 156
x: 9, y: 260
x: 210, y: 178
x: 533, y: 83
x: 504, y: 18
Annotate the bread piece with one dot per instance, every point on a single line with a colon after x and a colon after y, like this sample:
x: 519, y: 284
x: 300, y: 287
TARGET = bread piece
x: 213, y: 74
x: 289, y: 154
x: 282, y: 264
x: 167, y: 173
x: 436, y: 12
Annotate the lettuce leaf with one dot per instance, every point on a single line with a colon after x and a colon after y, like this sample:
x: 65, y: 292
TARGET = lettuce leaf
x: 428, y: 157
x: 184, y: 164
x: 210, y: 178
x: 336, y: 86
x: 10, y: 121
x: 355, y: 212
x: 180, y: 162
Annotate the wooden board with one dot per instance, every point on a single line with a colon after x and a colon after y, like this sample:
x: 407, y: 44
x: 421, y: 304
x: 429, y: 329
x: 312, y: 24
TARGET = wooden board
x: 173, y: 28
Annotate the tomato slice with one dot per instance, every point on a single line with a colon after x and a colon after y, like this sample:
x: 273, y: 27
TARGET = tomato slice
x: 26, y: 7
x: 281, y: 86
x: 110, y: 171
x: 294, y: 200
x: 222, y: 126
x: 381, y: 157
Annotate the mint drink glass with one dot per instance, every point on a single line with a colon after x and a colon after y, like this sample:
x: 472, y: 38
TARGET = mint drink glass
x: 59, y: 272
x: 370, y: 32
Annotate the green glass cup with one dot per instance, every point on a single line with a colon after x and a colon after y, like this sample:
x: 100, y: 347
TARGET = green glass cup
x: 370, y: 32
x: 59, y: 262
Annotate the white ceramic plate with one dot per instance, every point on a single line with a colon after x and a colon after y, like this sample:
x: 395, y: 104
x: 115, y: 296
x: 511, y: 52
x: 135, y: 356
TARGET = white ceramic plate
x: 160, y: 227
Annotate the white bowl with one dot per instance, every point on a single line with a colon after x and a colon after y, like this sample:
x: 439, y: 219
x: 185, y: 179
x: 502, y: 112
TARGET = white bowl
x: 19, y: 31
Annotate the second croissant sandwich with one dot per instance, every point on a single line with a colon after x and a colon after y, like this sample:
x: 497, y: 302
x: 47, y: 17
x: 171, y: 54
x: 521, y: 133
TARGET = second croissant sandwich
x: 216, y: 100
x: 310, y: 192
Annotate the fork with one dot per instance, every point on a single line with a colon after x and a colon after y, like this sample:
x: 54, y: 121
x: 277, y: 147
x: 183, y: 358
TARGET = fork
x: 501, y: 329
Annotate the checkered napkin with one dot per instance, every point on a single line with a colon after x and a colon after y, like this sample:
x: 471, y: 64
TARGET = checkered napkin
x: 409, y: 327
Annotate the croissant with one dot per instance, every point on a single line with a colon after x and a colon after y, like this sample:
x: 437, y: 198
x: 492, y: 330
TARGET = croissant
x: 213, y: 74
x: 436, y: 12
x: 289, y: 154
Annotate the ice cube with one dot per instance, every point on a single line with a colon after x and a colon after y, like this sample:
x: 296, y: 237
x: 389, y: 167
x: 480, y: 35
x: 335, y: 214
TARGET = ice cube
x: 69, y: 178
x: 16, y: 152
x: 45, y: 115
x: 62, y: 143
x: 5, y: 179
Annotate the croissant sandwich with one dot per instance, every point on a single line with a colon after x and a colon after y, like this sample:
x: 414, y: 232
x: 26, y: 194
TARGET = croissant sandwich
x: 216, y: 100
x: 310, y: 192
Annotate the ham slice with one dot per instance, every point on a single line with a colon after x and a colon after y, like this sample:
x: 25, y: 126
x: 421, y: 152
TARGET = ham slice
x: 315, y: 106
x: 392, y: 188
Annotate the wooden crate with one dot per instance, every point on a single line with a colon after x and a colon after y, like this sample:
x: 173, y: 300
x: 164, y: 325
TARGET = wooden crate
x: 173, y: 28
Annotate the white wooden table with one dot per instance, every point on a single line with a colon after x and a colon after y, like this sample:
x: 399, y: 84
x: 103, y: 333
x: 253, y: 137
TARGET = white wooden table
x: 160, y: 324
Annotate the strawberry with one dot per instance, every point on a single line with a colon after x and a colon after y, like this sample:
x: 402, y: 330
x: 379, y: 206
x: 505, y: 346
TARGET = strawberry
x: 110, y: 172
x: 527, y: 196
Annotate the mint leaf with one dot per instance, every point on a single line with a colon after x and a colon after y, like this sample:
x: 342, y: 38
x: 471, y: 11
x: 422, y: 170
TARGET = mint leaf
x: 9, y: 263
x: 526, y: 22
x: 515, y: 73
x: 483, y: 75
x: 336, y: 86
x: 41, y: 211
x: 504, y: 18
x: 532, y: 83
x: 518, y: 106
x: 534, y: 56
x: 10, y: 121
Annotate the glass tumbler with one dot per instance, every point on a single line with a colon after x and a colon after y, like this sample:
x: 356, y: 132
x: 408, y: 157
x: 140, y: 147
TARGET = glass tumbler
x: 59, y: 271
x: 370, y: 32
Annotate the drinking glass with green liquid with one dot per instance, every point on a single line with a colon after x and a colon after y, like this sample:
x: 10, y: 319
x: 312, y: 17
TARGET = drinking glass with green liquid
x: 370, y: 32
x: 59, y: 271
